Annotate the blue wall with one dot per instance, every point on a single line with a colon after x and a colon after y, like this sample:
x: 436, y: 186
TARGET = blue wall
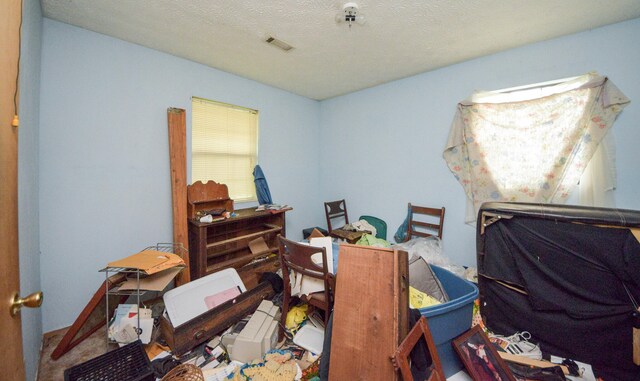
x: 104, y: 159
x: 386, y: 142
x: 28, y: 172
x: 104, y: 169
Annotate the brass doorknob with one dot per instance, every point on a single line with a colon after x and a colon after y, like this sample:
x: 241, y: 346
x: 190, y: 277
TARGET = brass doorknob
x: 32, y: 301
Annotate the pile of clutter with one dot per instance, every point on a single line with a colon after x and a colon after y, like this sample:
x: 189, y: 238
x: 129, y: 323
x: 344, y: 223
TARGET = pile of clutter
x: 175, y: 333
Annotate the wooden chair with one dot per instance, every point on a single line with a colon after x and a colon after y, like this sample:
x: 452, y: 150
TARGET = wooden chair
x: 335, y: 209
x: 400, y: 360
x: 297, y: 257
x: 424, y: 228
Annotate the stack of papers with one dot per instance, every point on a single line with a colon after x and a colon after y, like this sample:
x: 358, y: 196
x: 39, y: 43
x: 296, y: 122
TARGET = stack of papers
x: 327, y: 243
x: 272, y: 207
x: 310, y: 338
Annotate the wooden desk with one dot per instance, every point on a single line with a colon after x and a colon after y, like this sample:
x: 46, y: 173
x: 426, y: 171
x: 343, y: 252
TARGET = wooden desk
x: 223, y: 244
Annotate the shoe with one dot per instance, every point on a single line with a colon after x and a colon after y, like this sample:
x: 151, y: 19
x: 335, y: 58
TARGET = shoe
x: 518, y: 344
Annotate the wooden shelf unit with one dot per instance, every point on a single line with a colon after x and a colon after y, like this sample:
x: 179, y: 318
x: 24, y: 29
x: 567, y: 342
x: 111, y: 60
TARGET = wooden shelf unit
x: 223, y: 244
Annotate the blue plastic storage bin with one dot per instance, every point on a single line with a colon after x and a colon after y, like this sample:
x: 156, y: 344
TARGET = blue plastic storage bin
x: 449, y: 320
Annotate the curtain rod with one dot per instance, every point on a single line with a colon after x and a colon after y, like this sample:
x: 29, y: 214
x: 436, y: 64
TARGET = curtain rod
x: 532, y: 91
x: 539, y: 84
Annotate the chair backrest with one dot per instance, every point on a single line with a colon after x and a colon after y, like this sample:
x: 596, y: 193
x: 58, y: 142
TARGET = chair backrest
x: 335, y: 209
x: 379, y: 224
x: 401, y: 362
x: 428, y: 225
x: 297, y: 257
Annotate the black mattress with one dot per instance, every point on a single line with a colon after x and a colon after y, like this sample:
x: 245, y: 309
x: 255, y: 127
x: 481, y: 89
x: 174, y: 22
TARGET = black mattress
x: 569, y: 275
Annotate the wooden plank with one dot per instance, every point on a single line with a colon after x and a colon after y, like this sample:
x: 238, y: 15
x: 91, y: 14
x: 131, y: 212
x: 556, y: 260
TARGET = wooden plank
x: 426, y: 225
x: 234, y: 262
x: 178, y: 161
x: 276, y: 217
x: 401, y: 294
x: 246, y: 237
x: 368, y: 315
x: 231, y: 251
x: 91, y: 318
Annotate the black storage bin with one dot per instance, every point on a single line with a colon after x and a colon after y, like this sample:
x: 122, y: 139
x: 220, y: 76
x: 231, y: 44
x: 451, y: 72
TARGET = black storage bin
x: 570, y: 275
x: 129, y: 363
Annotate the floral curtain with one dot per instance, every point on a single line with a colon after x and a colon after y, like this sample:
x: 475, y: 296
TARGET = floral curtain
x: 530, y: 145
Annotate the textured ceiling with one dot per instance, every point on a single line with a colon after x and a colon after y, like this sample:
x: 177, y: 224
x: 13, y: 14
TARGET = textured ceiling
x: 399, y: 39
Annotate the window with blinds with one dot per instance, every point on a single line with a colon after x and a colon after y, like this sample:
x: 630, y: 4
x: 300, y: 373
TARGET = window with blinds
x: 224, y: 146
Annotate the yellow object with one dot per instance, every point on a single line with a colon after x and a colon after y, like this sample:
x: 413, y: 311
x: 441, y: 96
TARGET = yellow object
x: 477, y: 318
x: 295, y: 316
x: 418, y: 299
x: 275, y: 367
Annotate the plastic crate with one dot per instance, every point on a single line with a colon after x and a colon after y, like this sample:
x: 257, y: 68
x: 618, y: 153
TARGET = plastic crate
x: 449, y: 320
x: 128, y: 363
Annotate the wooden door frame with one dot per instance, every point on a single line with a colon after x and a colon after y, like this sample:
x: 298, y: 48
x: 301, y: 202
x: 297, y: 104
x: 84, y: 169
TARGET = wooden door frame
x: 11, y: 355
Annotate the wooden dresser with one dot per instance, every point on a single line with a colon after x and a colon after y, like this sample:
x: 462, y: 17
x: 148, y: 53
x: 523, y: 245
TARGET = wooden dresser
x: 223, y: 244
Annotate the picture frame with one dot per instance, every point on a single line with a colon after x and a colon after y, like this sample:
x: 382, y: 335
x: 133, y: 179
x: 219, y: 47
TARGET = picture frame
x: 401, y: 357
x: 480, y: 358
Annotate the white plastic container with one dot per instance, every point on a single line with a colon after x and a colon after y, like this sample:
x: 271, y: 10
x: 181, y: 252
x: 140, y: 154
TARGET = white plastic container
x: 188, y: 301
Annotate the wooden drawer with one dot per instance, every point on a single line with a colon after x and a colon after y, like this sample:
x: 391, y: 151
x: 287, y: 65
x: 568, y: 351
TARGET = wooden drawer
x: 251, y: 273
x: 196, y: 331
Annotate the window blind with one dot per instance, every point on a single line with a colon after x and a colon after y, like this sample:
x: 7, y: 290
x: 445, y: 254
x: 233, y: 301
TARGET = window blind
x: 224, y: 146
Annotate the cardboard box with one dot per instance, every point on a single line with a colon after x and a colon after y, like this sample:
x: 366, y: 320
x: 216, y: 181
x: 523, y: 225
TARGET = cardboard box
x: 156, y: 282
x: 149, y: 261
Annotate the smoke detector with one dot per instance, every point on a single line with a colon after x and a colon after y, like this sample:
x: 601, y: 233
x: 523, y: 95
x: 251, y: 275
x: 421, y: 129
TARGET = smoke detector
x: 350, y: 14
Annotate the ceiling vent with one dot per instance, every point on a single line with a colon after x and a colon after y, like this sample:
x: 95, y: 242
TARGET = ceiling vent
x: 279, y: 43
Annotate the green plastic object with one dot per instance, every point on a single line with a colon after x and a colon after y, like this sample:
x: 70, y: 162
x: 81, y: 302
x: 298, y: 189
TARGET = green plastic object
x: 380, y: 225
x: 369, y: 240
